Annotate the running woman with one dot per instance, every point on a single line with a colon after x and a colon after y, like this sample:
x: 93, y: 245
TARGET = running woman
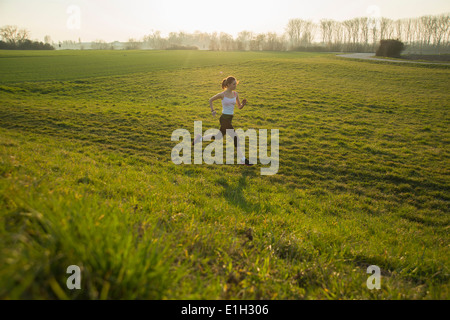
x: 229, y: 100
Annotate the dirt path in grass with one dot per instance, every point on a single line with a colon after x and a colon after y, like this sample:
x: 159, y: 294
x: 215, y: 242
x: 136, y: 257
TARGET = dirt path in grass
x: 371, y: 56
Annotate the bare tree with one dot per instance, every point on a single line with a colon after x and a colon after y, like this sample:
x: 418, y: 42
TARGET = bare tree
x: 273, y: 42
x: 374, y: 28
x: 364, y: 26
x: 8, y: 34
x: 100, y: 45
x: 151, y: 39
x: 214, y: 44
x: 418, y: 34
x: 155, y: 41
x: 326, y: 28
x: 226, y: 41
x: 174, y: 39
x: 408, y: 31
x: 243, y: 39
x: 338, y: 34
x: 445, y: 28
x: 258, y: 41
x: 201, y: 39
x: 294, y: 31
x: 385, y: 28
x: 183, y: 38
x: 254, y: 44
x: 355, y: 26
x: 442, y: 25
x: 300, y: 32
x: 22, y: 35
x: 355, y: 30
x: 133, y: 44
x: 309, y: 29
x: 348, y: 27
x: 47, y: 39
x: 14, y: 35
x: 428, y: 25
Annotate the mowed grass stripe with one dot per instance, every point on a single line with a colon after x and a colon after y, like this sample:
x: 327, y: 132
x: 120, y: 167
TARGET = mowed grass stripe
x: 65, y: 65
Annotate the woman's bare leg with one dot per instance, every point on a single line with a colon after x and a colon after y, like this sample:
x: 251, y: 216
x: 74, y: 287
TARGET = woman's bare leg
x: 238, y: 149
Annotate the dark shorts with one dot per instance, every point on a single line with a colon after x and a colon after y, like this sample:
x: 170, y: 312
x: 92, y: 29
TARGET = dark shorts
x: 225, y: 123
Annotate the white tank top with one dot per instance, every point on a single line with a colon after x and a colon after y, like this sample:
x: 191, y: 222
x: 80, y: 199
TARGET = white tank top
x: 228, y: 104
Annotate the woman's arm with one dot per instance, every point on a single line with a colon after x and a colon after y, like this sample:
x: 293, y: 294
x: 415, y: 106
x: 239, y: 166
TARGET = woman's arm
x: 240, y: 106
x: 216, y: 97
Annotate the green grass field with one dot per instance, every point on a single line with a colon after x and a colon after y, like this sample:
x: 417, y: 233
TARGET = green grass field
x: 86, y: 178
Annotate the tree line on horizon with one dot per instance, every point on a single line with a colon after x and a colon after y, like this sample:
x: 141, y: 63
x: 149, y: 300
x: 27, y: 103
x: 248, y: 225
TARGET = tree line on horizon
x: 426, y: 33
x: 14, y: 38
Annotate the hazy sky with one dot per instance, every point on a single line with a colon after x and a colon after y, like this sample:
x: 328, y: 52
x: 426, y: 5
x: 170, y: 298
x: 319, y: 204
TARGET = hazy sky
x: 120, y: 20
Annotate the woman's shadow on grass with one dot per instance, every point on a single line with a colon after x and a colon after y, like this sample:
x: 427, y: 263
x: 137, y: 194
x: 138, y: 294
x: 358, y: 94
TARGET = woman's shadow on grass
x: 234, y: 193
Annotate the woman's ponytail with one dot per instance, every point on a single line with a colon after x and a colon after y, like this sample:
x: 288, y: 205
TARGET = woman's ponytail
x: 224, y: 83
x: 227, y: 81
